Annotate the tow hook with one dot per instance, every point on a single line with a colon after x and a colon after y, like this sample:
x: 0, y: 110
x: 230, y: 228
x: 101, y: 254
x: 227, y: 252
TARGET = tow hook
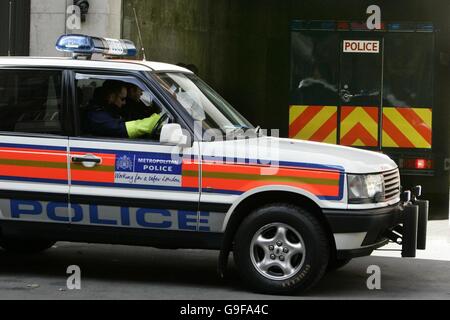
x: 424, y: 206
x: 411, y: 233
x: 410, y: 226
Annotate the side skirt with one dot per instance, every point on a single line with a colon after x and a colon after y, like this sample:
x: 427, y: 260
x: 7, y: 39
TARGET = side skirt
x: 165, y: 239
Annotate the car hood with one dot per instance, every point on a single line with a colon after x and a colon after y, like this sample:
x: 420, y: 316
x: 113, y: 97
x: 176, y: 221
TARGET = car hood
x: 274, y: 151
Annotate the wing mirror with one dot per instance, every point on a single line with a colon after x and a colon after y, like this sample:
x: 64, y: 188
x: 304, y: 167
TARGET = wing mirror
x: 172, y: 134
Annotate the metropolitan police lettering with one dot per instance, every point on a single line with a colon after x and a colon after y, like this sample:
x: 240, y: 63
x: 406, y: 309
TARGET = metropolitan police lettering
x: 157, y: 165
x: 151, y: 169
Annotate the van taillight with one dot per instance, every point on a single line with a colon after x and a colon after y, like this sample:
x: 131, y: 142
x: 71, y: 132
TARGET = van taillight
x: 417, y: 164
x: 421, y: 164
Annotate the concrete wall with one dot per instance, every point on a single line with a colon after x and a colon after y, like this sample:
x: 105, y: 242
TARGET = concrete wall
x: 48, y: 22
x: 240, y: 47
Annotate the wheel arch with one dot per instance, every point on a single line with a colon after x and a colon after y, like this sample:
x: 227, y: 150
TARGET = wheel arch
x: 258, y: 198
x: 251, y: 197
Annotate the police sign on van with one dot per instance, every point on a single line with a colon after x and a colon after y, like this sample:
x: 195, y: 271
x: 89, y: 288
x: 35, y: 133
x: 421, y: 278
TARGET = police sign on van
x: 131, y: 152
x: 361, y: 46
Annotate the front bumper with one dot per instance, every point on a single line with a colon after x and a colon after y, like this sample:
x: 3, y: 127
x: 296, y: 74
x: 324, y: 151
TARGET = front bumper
x: 358, y: 233
x: 374, y: 223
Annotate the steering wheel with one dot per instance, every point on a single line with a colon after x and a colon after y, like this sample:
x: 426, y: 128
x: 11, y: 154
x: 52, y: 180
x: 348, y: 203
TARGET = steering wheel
x: 163, y: 120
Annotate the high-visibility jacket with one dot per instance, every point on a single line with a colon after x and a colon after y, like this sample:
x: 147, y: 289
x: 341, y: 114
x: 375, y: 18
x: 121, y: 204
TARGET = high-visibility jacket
x: 107, y: 121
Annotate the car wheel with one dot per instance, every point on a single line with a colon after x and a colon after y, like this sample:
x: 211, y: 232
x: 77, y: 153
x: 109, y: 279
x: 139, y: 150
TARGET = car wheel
x: 25, y: 246
x: 281, y: 249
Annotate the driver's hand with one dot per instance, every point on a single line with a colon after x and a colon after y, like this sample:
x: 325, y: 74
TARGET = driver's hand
x: 140, y: 128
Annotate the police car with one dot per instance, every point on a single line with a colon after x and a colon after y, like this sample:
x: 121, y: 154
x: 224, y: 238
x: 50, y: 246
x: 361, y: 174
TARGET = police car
x: 75, y: 167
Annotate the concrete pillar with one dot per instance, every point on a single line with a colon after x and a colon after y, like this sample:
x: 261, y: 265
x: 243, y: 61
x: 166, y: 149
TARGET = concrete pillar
x: 104, y: 19
x: 48, y: 22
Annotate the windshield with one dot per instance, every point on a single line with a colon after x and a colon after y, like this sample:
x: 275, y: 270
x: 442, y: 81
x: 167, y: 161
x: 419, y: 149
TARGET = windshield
x: 202, y: 102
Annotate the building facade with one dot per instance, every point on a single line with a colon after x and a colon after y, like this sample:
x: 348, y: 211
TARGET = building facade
x: 51, y: 18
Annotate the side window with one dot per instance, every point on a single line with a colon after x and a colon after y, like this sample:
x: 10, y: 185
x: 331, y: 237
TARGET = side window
x: 408, y: 71
x: 107, y: 104
x: 30, y: 101
x: 314, y: 65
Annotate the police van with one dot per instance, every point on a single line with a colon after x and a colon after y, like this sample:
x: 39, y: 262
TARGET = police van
x: 99, y: 149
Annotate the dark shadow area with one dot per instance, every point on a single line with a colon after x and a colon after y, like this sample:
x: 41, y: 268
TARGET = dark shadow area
x: 117, y: 263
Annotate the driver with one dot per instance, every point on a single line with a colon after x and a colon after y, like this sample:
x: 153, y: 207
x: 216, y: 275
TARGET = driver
x: 135, y: 108
x: 104, y: 115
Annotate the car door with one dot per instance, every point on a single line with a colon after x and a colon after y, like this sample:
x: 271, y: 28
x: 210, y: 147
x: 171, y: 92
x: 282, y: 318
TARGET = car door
x: 33, y: 149
x: 121, y: 184
x: 361, y: 63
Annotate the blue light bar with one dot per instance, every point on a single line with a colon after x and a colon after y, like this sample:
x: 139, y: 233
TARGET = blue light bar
x: 322, y: 25
x: 425, y: 27
x: 75, y: 44
x: 358, y: 26
x: 86, y: 45
x: 402, y: 26
x: 326, y: 25
x: 297, y: 25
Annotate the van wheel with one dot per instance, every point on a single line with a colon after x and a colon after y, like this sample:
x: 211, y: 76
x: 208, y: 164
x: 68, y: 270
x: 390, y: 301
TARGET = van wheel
x: 25, y: 246
x: 281, y: 249
x: 337, y: 264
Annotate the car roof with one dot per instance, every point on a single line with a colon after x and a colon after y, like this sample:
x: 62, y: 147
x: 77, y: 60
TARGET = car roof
x: 125, y: 65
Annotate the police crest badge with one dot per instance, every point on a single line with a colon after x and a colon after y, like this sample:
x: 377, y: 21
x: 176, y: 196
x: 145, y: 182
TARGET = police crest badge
x: 124, y: 163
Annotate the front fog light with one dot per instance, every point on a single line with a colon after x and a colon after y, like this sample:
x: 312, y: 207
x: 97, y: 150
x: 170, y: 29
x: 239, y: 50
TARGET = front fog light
x: 365, y: 188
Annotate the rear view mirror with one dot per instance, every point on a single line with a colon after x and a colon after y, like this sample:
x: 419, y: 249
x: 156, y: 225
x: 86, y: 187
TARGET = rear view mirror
x: 172, y: 134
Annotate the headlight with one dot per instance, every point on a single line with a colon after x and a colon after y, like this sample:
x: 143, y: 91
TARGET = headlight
x: 365, y: 188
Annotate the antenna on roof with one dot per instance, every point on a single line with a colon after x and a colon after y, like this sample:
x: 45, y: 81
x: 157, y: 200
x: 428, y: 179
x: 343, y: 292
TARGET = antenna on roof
x: 140, y: 35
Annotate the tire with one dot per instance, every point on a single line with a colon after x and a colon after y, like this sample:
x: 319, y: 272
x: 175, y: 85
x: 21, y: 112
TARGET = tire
x: 255, y: 263
x: 336, y: 264
x: 25, y: 246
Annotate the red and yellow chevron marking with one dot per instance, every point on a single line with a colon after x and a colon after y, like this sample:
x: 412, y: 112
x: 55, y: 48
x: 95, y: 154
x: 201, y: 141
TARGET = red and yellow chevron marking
x: 359, y: 126
x: 33, y: 164
x: 314, y: 123
x: 407, y: 127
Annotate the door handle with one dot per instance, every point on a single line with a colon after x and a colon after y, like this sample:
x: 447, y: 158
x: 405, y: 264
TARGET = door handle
x: 88, y: 160
x: 346, y: 96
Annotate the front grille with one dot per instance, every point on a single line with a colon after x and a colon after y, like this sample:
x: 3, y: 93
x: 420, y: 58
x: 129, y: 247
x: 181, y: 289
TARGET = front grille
x: 391, y: 185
